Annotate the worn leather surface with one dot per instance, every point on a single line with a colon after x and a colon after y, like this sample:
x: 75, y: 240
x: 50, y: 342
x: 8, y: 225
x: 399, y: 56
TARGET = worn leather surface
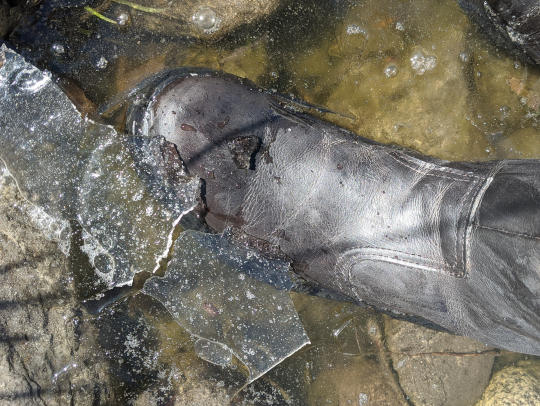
x: 455, y: 243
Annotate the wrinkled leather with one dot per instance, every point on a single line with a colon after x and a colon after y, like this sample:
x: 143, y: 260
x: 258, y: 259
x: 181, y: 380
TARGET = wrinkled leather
x: 455, y: 243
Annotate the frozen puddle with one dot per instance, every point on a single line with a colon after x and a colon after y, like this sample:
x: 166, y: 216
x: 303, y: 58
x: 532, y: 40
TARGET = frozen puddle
x: 72, y: 169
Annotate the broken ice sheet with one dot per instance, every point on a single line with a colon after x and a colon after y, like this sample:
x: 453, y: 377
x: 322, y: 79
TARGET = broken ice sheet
x: 39, y: 138
x: 69, y: 167
x: 127, y: 228
x: 215, y: 289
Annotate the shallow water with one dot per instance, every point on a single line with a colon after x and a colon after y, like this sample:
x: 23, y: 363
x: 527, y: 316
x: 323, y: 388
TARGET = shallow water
x: 413, y: 73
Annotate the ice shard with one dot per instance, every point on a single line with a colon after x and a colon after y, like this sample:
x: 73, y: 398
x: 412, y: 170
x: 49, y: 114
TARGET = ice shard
x: 71, y: 168
x: 215, y: 289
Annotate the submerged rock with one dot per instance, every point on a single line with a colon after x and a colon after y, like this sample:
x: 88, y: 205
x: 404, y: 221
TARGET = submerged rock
x: 436, y: 368
x: 45, y: 357
x: 198, y: 18
x: 415, y: 75
x: 357, y: 382
x: 423, y: 103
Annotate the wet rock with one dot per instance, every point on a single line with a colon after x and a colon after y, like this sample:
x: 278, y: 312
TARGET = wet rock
x: 504, y: 98
x: 437, y: 368
x: 356, y: 382
x: 514, y: 385
x: 199, y: 18
x: 43, y: 353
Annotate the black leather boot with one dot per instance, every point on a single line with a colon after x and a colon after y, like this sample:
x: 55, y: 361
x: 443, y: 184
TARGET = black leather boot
x: 511, y: 24
x: 457, y: 244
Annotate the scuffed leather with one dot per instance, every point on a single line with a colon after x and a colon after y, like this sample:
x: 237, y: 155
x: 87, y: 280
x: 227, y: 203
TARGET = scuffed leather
x: 455, y: 243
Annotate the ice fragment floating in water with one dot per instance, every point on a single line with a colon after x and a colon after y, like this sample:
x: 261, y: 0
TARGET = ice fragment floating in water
x: 70, y: 168
x: 247, y: 316
x: 126, y: 224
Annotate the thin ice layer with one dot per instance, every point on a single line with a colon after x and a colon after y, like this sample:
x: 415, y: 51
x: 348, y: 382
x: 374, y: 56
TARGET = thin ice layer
x: 70, y: 167
x: 213, y: 289
x: 40, y: 131
x: 127, y: 227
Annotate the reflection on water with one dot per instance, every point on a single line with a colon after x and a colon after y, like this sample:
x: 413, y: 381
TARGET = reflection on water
x: 414, y: 73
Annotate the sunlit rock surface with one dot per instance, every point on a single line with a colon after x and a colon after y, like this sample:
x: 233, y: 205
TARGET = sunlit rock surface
x: 44, y: 356
x: 432, y: 364
x: 514, y: 385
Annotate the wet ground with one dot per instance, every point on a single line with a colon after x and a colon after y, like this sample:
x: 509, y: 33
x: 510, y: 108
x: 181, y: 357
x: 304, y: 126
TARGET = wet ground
x: 413, y: 73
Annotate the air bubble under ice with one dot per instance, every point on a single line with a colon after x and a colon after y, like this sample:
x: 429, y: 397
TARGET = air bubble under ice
x: 422, y: 63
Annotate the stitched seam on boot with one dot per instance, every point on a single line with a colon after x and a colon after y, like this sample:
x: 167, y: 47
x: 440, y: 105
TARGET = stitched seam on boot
x: 457, y: 267
x: 534, y: 237
x: 430, y: 169
x: 473, y: 212
x: 356, y: 255
x: 461, y: 227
